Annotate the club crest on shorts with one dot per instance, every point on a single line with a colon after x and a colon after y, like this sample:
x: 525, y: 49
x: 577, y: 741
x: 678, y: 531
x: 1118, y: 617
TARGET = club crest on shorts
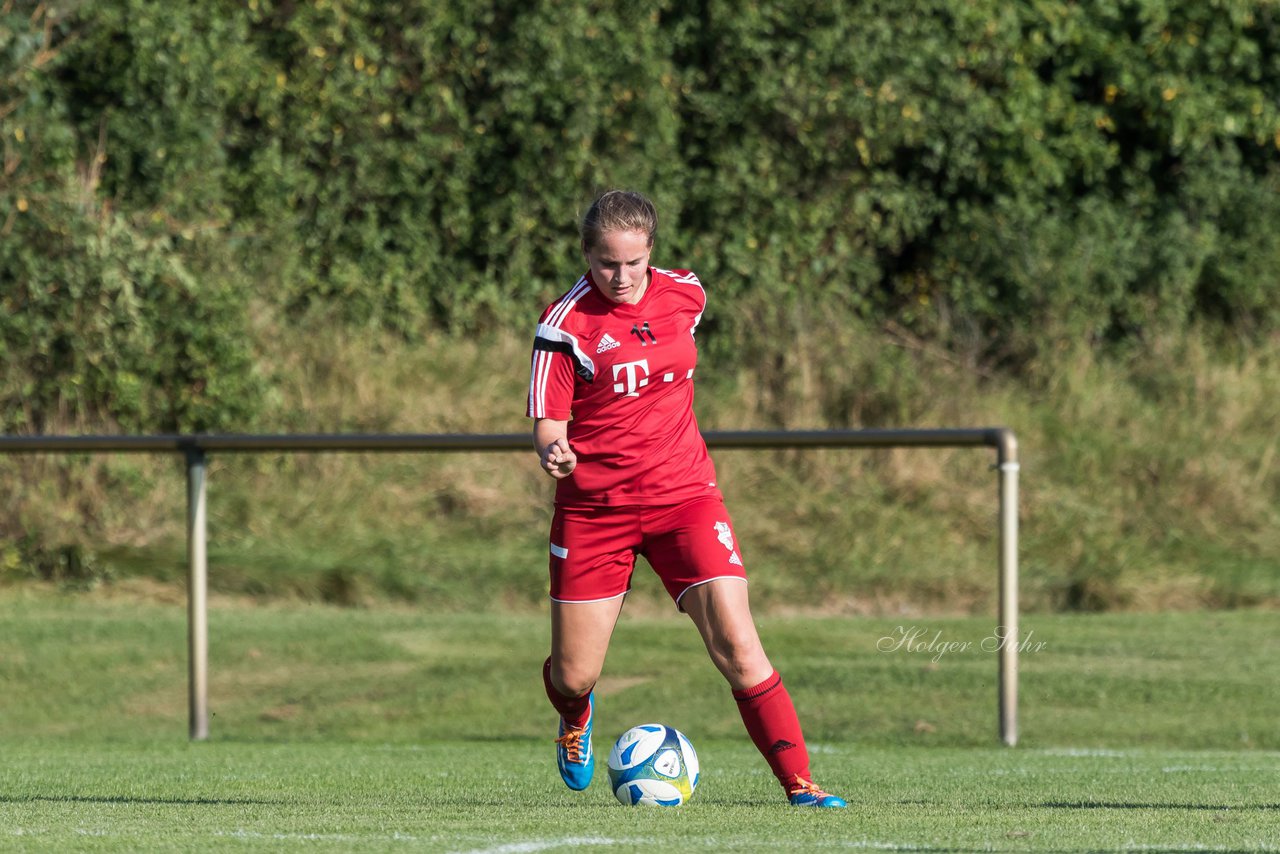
x: 724, y: 535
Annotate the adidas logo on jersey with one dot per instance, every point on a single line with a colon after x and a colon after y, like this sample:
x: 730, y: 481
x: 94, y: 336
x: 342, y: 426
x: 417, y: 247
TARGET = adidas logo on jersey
x: 606, y: 343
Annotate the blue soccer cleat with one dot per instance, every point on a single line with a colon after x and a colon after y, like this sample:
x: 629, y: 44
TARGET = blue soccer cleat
x: 805, y: 794
x: 574, y: 756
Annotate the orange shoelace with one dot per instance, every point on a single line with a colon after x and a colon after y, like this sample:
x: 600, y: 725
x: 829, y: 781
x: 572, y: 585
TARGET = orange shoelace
x: 801, y: 786
x: 571, y: 741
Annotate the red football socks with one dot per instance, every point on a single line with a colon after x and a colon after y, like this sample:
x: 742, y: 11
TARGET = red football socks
x: 574, y: 710
x: 771, y: 722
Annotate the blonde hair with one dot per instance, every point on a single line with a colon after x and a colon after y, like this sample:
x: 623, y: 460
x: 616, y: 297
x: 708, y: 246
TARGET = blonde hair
x: 618, y: 210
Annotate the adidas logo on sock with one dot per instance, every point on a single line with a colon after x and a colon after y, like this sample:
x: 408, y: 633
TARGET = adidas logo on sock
x: 780, y: 745
x: 607, y: 343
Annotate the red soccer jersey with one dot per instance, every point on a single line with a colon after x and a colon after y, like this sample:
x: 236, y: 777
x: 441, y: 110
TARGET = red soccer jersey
x: 624, y: 375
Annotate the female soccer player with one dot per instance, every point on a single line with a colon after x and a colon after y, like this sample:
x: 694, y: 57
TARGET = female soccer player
x: 611, y: 395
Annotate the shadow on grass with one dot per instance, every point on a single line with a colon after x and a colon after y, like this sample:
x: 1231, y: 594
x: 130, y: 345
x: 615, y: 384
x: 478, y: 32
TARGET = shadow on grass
x: 1104, y: 805
x: 126, y: 799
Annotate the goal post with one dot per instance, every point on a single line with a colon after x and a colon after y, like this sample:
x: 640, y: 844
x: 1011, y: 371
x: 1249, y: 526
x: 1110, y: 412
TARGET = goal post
x: 195, y: 449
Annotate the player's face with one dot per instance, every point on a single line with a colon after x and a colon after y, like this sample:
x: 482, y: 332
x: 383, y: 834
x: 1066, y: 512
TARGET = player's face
x: 619, y: 264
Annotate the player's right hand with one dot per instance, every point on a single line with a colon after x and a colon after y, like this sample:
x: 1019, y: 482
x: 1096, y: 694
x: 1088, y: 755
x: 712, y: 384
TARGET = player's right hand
x: 558, y: 459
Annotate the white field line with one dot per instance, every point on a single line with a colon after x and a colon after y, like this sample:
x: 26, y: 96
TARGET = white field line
x: 1156, y: 752
x: 535, y: 845
x: 1190, y: 846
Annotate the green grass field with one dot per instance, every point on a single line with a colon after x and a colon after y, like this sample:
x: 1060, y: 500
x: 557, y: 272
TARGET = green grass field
x: 347, y: 729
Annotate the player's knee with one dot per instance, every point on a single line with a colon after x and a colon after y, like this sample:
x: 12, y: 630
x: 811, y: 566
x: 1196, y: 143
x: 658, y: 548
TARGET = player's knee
x: 739, y: 653
x: 573, y: 681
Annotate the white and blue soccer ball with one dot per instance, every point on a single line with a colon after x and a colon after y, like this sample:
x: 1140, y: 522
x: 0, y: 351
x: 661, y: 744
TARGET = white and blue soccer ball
x: 653, y: 764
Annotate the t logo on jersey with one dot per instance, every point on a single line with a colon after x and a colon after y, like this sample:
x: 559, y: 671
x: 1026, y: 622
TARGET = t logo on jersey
x: 636, y: 379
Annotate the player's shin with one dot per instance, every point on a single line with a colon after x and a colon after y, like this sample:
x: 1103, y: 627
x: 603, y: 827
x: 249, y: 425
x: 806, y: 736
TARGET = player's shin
x: 774, y: 727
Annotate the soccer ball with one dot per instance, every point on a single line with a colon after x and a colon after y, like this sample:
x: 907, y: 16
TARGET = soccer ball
x: 653, y: 764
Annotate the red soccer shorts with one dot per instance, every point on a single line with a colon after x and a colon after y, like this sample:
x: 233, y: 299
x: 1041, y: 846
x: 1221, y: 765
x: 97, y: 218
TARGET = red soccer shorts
x: 593, y: 552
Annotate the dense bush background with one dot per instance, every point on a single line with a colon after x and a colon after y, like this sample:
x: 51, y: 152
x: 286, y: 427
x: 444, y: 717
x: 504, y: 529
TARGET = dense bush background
x: 1030, y: 192
x: 998, y: 176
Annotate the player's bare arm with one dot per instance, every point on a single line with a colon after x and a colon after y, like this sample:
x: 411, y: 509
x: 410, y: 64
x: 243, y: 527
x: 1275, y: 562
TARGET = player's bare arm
x: 551, y: 441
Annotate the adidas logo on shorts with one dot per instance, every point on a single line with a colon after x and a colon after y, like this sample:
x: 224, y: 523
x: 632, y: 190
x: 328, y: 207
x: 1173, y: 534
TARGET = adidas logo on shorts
x: 607, y: 343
